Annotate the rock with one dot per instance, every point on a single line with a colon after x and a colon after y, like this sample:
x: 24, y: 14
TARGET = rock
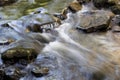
x: 113, y: 5
x: 38, y: 22
x: 115, y: 9
x: 97, y: 20
x: 116, y: 23
x: 35, y: 28
x: 40, y: 10
x: 39, y: 38
x: 98, y: 76
x: 73, y: 7
x: 4, y: 41
x: 116, y: 2
x: 40, y: 72
x: 17, y: 54
x: 6, y: 2
x: 13, y: 73
x: 2, y: 74
x: 116, y: 29
x: 103, y: 3
x: 84, y: 1
x: 45, y: 27
x: 116, y: 20
x: 100, y: 3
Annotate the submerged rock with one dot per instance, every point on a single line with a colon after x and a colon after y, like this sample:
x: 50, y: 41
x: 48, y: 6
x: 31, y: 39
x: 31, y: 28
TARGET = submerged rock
x: 4, y: 41
x: 17, y: 54
x: 40, y: 72
x: 98, y: 20
x: 12, y: 73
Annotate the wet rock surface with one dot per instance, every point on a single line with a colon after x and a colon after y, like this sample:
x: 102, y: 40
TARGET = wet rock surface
x: 39, y: 72
x: 97, y: 20
x: 11, y: 73
x: 15, y: 55
x: 40, y: 22
x: 116, y: 23
x: 19, y: 47
x: 5, y: 41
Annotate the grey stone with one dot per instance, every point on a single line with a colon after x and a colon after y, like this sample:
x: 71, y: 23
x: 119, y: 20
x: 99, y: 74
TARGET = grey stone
x: 96, y: 20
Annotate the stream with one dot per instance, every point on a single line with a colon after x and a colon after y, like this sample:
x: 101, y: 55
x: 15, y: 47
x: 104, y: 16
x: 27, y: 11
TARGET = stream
x: 69, y: 54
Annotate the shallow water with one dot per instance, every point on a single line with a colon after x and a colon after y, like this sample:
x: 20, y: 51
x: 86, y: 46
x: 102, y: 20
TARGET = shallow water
x: 24, y: 7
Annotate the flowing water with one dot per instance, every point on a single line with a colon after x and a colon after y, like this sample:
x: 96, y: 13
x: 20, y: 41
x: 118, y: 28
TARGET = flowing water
x: 68, y: 53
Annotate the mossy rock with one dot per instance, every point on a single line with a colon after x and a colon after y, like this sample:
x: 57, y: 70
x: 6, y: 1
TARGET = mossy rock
x: 14, y: 55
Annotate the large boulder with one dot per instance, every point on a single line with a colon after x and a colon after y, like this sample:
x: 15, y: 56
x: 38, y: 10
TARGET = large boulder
x: 19, y: 55
x: 92, y: 21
